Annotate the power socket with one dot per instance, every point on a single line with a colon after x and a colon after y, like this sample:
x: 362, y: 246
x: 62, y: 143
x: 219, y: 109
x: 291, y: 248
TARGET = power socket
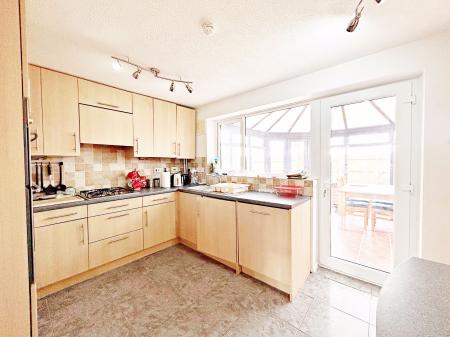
x: 157, y: 170
x: 174, y: 169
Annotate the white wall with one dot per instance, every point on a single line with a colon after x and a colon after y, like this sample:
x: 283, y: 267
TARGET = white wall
x: 429, y: 58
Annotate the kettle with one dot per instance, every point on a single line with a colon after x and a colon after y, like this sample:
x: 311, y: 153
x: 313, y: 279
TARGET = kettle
x: 177, y: 180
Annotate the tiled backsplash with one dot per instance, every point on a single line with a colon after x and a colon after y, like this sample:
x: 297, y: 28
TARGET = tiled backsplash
x: 104, y: 166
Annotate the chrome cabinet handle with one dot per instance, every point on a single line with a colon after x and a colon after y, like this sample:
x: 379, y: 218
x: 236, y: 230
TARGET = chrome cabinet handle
x: 117, y: 216
x: 146, y: 218
x: 110, y: 105
x: 137, y: 145
x: 75, y: 138
x: 174, y: 148
x: 159, y: 199
x: 179, y: 149
x: 82, y: 233
x: 260, y: 213
x: 61, y: 216
x: 121, y: 239
x: 111, y: 207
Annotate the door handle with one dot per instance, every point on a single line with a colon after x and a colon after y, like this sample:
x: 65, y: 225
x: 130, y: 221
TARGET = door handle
x: 117, y: 216
x: 75, y: 138
x: 137, y: 145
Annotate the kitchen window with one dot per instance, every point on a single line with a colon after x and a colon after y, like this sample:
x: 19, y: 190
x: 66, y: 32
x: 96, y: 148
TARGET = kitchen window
x: 269, y: 143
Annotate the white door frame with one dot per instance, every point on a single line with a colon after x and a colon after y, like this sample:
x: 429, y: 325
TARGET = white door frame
x: 408, y: 147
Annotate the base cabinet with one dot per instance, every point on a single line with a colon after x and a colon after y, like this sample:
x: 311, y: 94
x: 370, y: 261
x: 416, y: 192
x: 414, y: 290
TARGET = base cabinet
x: 216, y: 234
x: 274, y: 244
x: 61, y: 251
x: 188, y: 217
x: 159, y: 224
x: 114, y: 248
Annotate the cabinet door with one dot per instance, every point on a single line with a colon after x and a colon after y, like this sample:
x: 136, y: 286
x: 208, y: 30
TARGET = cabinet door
x: 159, y: 224
x: 61, y: 251
x: 188, y: 216
x: 103, y: 96
x: 36, y: 146
x: 143, y: 125
x: 104, y: 126
x: 264, y: 241
x: 60, y: 114
x: 216, y: 234
x: 165, y: 129
x: 185, y: 132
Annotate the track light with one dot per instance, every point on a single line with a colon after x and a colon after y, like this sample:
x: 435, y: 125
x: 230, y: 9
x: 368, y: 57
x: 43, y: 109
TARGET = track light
x: 116, y: 65
x: 136, y: 73
x: 358, y: 12
x: 355, y: 21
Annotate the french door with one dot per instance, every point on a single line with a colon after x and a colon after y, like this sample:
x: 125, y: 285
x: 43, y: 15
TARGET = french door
x: 366, y: 181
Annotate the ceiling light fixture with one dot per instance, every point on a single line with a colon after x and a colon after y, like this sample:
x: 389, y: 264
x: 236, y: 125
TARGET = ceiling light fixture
x: 358, y: 12
x: 154, y: 71
x: 136, y: 73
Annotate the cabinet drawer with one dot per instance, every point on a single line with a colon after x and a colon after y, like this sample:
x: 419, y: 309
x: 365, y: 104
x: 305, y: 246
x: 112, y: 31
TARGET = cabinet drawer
x: 114, y: 206
x: 104, y: 96
x: 59, y: 215
x: 158, y: 199
x: 118, y: 131
x: 114, y: 248
x: 108, y: 225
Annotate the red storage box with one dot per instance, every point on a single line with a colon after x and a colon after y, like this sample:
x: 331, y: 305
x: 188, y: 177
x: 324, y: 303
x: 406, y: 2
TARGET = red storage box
x: 289, y: 191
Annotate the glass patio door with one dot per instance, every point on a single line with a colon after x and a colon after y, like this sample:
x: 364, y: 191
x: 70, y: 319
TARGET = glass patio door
x: 366, y: 181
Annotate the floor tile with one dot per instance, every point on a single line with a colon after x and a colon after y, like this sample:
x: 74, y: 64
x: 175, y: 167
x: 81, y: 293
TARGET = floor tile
x: 262, y: 326
x: 325, y: 321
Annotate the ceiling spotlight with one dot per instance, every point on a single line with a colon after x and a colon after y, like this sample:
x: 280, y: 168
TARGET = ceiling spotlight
x: 355, y: 21
x: 136, y: 73
x: 116, y: 65
x: 172, y: 86
x: 188, y: 88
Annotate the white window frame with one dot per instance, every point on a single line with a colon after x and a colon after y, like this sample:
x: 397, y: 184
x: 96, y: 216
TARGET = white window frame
x: 242, y: 120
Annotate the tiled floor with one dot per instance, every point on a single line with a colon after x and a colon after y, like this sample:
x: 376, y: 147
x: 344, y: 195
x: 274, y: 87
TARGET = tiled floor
x: 178, y: 292
x: 350, y: 241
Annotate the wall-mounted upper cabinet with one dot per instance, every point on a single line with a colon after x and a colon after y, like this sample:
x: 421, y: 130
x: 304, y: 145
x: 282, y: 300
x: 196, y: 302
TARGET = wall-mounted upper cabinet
x: 35, y: 114
x: 186, y: 123
x: 165, y: 129
x: 143, y: 126
x: 103, y: 96
x: 106, y: 127
x: 60, y: 114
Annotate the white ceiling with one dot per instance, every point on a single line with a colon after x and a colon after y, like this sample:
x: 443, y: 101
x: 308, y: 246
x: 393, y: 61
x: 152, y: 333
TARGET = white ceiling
x: 256, y: 42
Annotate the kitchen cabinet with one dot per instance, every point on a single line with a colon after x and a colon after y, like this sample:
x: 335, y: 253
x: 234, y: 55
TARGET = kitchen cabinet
x: 113, y: 206
x: 60, y: 114
x: 61, y: 251
x: 165, y: 129
x: 104, y: 126
x: 274, y: 244
x: 217, y: 234
x: 114, y: 248
x: 188, y: 218
x: 35, y: 114
x: 186, y: 126
x: 143, y: 125
x: 103, y: 96
x: 117, y: 223
x: 159, y: 223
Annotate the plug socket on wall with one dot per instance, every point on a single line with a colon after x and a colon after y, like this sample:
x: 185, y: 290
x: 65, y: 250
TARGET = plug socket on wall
x: 157, y: 170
